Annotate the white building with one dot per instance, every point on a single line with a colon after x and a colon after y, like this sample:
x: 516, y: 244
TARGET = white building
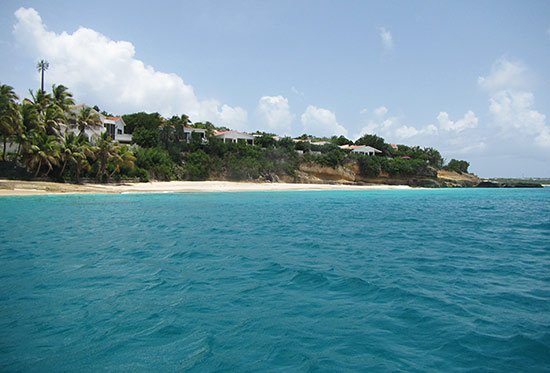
x: 112, y: 125
x: 367, y: 150
x: 115, y: 127
x: 235, y: 136
x: 189, y: 131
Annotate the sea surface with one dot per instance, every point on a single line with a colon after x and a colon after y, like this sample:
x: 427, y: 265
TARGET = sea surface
x: 396, y: 280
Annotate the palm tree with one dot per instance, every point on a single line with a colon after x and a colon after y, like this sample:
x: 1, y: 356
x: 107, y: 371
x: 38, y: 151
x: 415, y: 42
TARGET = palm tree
x: 62, y: 97
x: 106, y: 150
x: 10, y: 117
x: 75, y: 150
x: 41, y: 100
x: 87, y: 119
x: 52, y: 120
x: 30, y: 122
x: 124, y: 158
x: 43, y: 150
x: 42, y: 66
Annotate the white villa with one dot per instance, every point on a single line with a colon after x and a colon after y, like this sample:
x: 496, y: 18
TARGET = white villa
x: 367, y: 150
x: 115, y: 127
x: 112, y: 125
x: 189, y: 131
x: 235, y: 136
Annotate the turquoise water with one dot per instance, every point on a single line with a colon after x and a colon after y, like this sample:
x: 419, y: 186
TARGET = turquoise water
x: 414, y: 280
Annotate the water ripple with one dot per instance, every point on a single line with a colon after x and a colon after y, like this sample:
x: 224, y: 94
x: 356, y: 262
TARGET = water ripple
x: 442, y: 280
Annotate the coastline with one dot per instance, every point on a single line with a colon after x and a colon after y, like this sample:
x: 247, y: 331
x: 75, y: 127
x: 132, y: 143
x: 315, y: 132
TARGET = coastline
x: 33, y: 188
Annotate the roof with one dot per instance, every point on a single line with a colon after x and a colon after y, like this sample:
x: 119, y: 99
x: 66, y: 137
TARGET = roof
x: 113, y: 118
x: 367, y: 148
x: 350, y: 146
x: 234, y: 133
x: 193, y: 129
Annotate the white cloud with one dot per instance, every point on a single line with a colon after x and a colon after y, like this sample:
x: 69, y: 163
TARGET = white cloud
x: 381, y: 111
x: 471, y: 148
x: 512, y: 105
x: 543, y: 138
x: 386, y: 38
x: 274, y: 112
x: 468, y: 121
x: 105, y: 72
x: 363, y: 111
x: 321, y: 122
x: 513, y: 110
x: 405, y: 132
x: 506, y: 74
x: 392, y: 129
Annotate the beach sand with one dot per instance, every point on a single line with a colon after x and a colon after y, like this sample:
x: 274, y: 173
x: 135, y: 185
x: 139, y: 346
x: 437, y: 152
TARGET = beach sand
x: 27, y: 188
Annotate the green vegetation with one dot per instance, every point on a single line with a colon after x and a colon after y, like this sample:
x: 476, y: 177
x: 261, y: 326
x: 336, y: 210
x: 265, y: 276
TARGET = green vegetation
x: 48, y: 137
x: 458, y: 166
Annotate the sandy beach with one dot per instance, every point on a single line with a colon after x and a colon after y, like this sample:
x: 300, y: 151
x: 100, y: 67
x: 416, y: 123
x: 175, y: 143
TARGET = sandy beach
x: 28, y: 188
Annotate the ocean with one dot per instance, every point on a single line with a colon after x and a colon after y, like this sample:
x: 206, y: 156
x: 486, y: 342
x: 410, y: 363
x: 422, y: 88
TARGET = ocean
x: 381, y: 280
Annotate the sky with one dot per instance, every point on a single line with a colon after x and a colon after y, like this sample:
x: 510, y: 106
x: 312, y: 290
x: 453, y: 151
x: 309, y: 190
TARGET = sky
x: 469, y: 78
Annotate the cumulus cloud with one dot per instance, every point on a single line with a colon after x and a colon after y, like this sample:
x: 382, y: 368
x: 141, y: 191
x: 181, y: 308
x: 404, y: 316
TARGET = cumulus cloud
x: 106, y: 72
x: 513, y: 112
x: 393, y: 130
x: 512, y: 105
x: 386, y: 38
x: 274, y: 112
x: 380, y: 111
x: 321, y: 122
x: 506, y: 74
x: 468, y: 121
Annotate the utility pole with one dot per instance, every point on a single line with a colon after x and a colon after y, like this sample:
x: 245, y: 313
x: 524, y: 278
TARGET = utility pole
x: 42, y: 66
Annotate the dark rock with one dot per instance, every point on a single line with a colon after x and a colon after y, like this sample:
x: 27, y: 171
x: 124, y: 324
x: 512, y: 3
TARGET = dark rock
x: 509, y: 184
x: 523, y: 184
x: 488, y: 184
x: 424, y: 183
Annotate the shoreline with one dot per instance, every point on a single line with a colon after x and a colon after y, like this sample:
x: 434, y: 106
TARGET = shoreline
x: 33, y: 188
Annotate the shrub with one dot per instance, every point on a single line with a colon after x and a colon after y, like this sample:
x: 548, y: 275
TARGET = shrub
x: 157, y: 161
x: 407, y: 167
x: 458, y: 166
x: 197, y: 165
x: 369, y: 166
x: 146, y: 137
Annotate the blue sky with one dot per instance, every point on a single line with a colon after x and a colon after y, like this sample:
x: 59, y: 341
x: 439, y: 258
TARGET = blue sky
x: 469, y: 78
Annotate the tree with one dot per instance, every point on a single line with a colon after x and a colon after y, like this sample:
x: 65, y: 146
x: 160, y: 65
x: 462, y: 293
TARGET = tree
x: 52, y: 119
x: 42, y: 150
x: 10, y: 117
x: 376, y: 142
x: 458, y: 166
x: 265, y: 141
x: 40, y: 100
x: 369, y: 166
x: 141, y: 119
x: 75, y: 151
x: 105, y: 151
x: 124, y: 159
x: 62, y: 97
x: 340, y: 140
x: 146, y: 137
x: 433, y: 157
x: 197, y: 165
x: 87, y: 119
x: 166, y: 135
x: 42, y: 66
